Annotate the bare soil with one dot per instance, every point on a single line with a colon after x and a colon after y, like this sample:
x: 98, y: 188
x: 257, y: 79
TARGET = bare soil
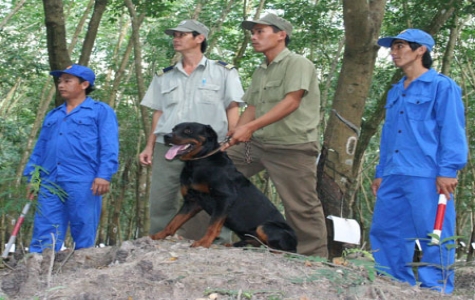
x: 170, y: 269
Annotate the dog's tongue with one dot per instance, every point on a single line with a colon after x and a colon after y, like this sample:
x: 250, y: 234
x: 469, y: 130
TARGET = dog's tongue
x: 173, y: 151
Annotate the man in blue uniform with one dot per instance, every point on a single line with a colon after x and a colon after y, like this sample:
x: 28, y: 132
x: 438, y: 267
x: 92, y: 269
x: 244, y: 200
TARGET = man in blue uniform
x: 77, y: 150
x: 423, y: 145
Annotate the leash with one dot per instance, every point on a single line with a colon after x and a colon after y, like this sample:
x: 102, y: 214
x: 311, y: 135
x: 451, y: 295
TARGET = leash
x: 247, y: 151
x: 227, y: 139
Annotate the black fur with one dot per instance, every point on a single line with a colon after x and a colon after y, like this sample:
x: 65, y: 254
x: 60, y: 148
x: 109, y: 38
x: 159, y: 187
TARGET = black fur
x: 213, y: 183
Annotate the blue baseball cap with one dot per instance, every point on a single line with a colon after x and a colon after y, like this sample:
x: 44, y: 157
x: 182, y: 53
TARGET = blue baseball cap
x: 79, y: 71
x: 409, y: 35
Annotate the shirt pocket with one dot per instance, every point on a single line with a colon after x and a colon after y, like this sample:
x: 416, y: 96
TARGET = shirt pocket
x: 84, y: 127
x: 170, y: 95
x: 418, y: 107
x: 273, y: 91
x: 48, y: 129
x: 209, y: 94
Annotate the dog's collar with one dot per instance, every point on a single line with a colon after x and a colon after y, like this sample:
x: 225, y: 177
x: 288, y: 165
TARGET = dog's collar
x: 214, y: 151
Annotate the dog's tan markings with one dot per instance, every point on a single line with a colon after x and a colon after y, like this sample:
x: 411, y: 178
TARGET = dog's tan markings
x: 175, y: 224
x: 184, y: 190
x: 211, y: 233
x: 202, y: 187
x: 262, y: 235
x: 197, y: 148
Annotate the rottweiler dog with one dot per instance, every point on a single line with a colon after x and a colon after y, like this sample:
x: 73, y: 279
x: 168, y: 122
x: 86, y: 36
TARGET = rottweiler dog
x: 210, y: 181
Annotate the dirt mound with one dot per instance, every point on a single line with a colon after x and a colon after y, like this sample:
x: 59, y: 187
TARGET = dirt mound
x: 170, y: 269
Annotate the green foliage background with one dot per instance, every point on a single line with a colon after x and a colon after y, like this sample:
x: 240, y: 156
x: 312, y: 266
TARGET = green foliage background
x: 318, y: 30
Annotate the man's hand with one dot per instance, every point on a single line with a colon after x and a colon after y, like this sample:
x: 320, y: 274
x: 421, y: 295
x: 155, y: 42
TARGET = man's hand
x: 145, y: 157
x: 237, y: 135
x: 100, y: 186
x: 375, y: 185
x: 446, y: 186
x: 30, y: 193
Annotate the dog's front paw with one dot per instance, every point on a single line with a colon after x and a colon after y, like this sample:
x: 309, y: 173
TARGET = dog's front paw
x: 159, y: 235
x: 202, y: 243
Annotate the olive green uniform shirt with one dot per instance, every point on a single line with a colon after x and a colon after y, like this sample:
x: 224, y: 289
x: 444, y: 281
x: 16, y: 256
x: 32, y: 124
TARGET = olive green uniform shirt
x: 288, y: 72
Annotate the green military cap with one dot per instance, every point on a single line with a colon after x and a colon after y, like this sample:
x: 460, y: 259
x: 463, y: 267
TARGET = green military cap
x: 270, y: 19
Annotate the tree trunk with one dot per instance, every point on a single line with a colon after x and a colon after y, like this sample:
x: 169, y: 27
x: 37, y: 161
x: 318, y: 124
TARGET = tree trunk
x: 88, y: 44
x: 247, y: 36
x: 119, y: 74
x: 217, y: 26
x: 136, y: 23
x: 56, y: 38
x: 336, y: 172
x: 472, y: 242
x: 114, y: 235
x: 121, y: 59
x: 449, y: 49
x: 80, y: 26
x: 143, y: 174
x: 142, y: 203
x: 102, y: 229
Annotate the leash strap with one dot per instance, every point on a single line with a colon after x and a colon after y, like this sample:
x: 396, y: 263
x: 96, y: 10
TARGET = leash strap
x: 214, y: 151
x: 247, y: 152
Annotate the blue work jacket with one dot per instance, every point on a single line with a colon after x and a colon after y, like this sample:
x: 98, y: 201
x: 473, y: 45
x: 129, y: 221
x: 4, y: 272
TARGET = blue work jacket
x: 79, y: 146
x: 424, y: 131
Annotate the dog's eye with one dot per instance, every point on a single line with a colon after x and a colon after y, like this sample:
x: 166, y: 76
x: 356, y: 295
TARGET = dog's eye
x: 187, y: 131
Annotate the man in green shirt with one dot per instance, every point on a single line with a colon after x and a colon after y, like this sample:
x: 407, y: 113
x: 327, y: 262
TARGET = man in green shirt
x: 280, y: 124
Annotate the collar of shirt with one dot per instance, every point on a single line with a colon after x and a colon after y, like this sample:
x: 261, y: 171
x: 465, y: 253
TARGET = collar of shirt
x: 179, y: 65
x: 87, y: 103
x: 426, y: 77
x: 283, y: 54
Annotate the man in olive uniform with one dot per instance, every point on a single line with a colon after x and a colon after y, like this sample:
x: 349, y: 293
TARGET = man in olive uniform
x: 281, y: 125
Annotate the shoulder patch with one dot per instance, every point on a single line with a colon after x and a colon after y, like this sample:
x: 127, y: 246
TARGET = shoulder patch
x: 225, y: 64
x: 163, y: 71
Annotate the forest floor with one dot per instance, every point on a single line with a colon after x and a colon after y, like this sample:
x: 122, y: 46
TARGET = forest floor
x: 170, y: 269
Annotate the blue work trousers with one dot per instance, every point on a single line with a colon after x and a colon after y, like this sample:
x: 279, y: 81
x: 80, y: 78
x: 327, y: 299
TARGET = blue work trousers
x: 80, y: 210
x: 405, y: 210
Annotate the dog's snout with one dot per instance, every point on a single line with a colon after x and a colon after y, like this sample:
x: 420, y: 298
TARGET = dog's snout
x: 167, y: 138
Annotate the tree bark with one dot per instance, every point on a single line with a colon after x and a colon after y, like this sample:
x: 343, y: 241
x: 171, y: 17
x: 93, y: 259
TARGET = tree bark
x: 119, y: 74
x: 247, y: 36
x: 114, y: 235
x: 449, y: 49
x: 88, y: 44
x: 336, y: 171
x: 143, y: 173
x: 218, y: 25
x: 136, y: 23
x: 56, y: 37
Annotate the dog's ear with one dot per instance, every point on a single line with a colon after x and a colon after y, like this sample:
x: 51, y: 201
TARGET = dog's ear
x: 210, y: 133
